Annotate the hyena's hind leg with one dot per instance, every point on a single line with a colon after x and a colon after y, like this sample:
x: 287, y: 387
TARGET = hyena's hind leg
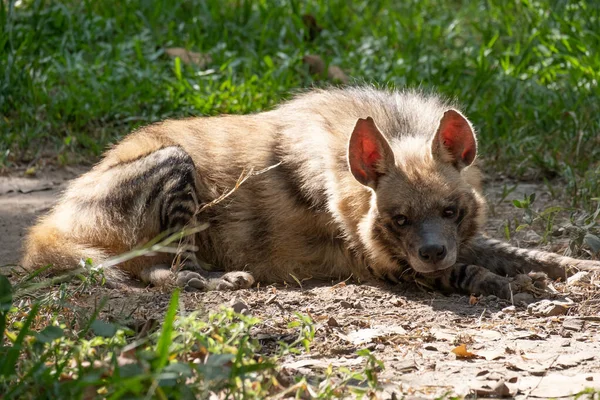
x: 171, y: 206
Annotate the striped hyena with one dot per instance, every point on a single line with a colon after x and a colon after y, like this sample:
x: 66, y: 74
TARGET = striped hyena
x: 364, y: 182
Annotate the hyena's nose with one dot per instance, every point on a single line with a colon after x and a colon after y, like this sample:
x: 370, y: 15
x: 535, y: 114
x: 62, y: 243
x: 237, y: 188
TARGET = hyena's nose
x: 432, y: 253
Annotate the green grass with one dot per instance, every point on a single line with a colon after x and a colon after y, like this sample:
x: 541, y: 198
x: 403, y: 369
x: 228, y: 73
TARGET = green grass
x: 77, y: 75
x: 52, y: 349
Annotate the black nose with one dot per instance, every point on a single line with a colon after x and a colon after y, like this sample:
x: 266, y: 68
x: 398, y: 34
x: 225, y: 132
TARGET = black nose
x: 432, y: 253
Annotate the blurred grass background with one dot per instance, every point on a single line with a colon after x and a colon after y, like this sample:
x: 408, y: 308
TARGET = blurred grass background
x: 77, y: 75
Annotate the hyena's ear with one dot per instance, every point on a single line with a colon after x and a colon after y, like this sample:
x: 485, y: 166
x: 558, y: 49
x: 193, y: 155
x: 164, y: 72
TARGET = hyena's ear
x: 369, y: 153
x: 455, y: 140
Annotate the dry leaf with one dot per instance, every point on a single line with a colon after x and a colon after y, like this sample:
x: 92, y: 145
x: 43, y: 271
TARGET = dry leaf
x: 189, y: 57
x: 339, y: 285
x: 462, y: 352
x: 473, y: 300
x: 555, y: 385
x: 316, y: 65
x: 367, y: 335
x: 493, y: 389
x: 336, y: 74
x: 533, y: 367
x: 491, y: 354
x: 550, y: 308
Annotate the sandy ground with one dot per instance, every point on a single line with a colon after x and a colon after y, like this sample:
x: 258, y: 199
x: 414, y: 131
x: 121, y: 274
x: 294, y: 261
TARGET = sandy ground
x: 550, y: 348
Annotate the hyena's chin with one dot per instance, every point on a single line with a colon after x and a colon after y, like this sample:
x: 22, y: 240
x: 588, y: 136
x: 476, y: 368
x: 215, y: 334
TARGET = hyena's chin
x: 432, y: 269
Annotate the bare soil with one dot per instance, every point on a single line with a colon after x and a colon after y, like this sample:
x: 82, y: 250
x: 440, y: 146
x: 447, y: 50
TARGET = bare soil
x: 550, y: 348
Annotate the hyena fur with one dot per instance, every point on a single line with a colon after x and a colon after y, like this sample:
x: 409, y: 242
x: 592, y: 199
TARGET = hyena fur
x: 366, y: 183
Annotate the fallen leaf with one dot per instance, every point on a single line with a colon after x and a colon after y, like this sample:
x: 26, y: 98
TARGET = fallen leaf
x: 593, y: 242
x: 24, y: 185
x: 336, y: 74
x: 493, y: 389
x: 549, y: 308
x: 573, y: 324
x: 487, y: 335
x: 509, y: 310
x: 556, y: 385
x: 579, y: 278
x: 462, y: 352
x: 339, y: 285
x: 443, y: 334
x: 491, y: 354
x: 533, y: 367
x: 189, y: 57
x: 367, y: 335
x: 271, y: 299
x: 316, y: 65
x: 323, y: 363
x: 572, y: 360
x: 239, y: 306
x: 346, y: 304
x: 473, y: 300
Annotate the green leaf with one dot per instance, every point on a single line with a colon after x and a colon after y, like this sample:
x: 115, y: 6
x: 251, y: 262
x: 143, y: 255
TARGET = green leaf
x: 521, y: 227
x: 7, y: 363
x: 531, y: 198
x: 164, y: 341
x: 268, y: 61
x: 551, y: 210
x: 104, y: 329
x: 5, y: 294
x: 177, y: 69
x: 593, y: 241
x: 179, y: 369
x: 49, y: 334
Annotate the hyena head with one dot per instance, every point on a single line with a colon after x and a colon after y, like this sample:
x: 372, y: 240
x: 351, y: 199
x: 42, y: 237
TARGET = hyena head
x: 425, y: 202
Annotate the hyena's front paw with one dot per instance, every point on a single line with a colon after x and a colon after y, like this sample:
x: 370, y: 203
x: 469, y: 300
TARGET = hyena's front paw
x: 191, y: 281
x: 232, y: 281
x: 524, y: 287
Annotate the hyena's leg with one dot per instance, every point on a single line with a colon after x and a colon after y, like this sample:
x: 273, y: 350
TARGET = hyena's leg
x: 171, y: 206
x: 506, y: 260
x: 473, y: 279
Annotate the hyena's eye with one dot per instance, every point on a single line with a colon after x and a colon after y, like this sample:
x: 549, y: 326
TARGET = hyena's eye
x: 449, y: 212
x: 401, y: 220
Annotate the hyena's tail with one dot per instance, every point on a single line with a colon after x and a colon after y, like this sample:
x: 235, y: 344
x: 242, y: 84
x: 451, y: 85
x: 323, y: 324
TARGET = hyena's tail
x: 46, y: 245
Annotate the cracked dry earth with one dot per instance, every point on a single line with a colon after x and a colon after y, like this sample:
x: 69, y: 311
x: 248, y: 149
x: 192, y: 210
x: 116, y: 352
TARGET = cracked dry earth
x: 550, y: 348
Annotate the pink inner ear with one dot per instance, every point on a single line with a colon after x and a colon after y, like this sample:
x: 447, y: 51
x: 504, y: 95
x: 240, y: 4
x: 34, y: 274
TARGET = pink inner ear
x: 457, y: 137
x: 366, y: 151
x: 372, y: 155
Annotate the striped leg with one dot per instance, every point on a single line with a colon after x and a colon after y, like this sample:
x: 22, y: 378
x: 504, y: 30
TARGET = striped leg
x: 473, y: 279
x: 160, y: 193
x: 506, y: 260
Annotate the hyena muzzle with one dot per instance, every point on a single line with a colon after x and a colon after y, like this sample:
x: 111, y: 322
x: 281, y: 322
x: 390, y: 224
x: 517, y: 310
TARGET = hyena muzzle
x: 356, y: 181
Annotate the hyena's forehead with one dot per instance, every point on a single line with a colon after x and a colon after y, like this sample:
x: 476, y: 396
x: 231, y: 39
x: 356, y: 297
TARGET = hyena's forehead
x: 421, y: 188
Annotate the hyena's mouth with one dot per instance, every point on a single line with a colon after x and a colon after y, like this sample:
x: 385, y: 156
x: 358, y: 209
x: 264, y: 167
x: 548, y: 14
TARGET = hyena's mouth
x: 431, y: 269
x: 434, y: 274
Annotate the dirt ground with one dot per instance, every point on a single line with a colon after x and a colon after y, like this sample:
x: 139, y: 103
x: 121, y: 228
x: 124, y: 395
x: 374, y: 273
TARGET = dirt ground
x: 550, y: 348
